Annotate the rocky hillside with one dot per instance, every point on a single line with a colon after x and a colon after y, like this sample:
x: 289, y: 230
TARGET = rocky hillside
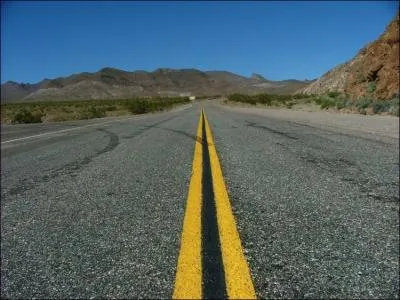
x: 373, y: 72
x: 110, y: 83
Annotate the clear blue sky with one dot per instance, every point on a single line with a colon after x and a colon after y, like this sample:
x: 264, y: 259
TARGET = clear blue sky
x: 279, y: 40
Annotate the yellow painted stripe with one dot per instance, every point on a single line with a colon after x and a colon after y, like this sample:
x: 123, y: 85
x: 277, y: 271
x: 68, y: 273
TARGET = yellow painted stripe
x: 188, y: 280
x: 237, y: 274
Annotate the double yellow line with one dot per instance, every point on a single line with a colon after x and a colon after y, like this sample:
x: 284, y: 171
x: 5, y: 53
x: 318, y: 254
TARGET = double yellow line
x: 188, y: 281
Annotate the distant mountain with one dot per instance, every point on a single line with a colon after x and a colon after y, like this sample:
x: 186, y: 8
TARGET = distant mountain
x: 13, y: 91
x: 373, y: 72
x: 110, y: 83
x: 257, y: 77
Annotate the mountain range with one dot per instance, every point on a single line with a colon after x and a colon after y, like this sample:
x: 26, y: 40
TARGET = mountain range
x: 373, y: 73
x: 111, y: 83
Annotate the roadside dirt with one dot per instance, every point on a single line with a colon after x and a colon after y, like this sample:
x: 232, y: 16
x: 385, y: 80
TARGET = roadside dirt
x: 377, y: 127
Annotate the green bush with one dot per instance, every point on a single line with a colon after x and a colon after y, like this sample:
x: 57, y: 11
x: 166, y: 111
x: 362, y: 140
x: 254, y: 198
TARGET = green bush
x: 340, y: 104
x: 264, y: 98
x: 302, y: 96
x: 289, y: 105
x: 65, y: 109
x: 394, y: 108
x: 363, y: 103
x: 381, y: 106
x: 371, y: 87
x: 159, y: 104
x: 93, y: 111
x: 26, y: 116
x: 325, y: 102
x: 138, y: 107
x: 333, y: 94
x: 343, y: 103
x: 238, y: 98
x: 111, y: 108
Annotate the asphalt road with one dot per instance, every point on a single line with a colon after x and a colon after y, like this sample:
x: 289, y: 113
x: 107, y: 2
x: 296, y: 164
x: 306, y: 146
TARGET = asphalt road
x: 95, y: 208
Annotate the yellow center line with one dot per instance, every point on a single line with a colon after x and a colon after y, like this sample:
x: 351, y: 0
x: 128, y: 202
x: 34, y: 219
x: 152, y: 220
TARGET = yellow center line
x: 188, y: 280
x: 237, y: 274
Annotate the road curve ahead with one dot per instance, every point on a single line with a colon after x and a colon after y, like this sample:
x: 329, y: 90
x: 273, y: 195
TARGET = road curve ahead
x: 199, y: 202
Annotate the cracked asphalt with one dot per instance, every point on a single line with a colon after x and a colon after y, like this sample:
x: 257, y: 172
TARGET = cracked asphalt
x: 97, y: 211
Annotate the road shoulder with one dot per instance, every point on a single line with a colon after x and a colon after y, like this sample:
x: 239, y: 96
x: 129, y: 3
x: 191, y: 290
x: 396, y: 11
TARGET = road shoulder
x: 380, y: 128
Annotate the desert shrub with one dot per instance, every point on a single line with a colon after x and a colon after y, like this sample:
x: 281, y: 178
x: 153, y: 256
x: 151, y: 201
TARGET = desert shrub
x: 92, y: 112
x: 325, y: 102
x: 26, y: 116
x: 143, y: 106
x: 268, y: 99
x: 394, y: 108
x: 65, y: 109
x: 362, y: 104
x: 289, y: 105
x: 333, y: 94
x: 300, y: 96
x: 138, y: 107
x: 98, y: 111
x: 381, y: 106
x: 238, y: 97
x: 343, y: 103
x: 340, y: 104
x: 111, y: 108
x: 395, y: 111
x: 371, y: 87
x: 263, y: 99
x: 282, y: 98
x: 252, y: 100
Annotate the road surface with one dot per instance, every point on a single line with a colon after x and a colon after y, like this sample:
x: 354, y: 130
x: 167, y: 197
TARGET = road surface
x: 107, y: 208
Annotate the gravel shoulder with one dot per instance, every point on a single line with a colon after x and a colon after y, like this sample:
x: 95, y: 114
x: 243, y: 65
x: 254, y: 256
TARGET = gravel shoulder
x: 383, y: 128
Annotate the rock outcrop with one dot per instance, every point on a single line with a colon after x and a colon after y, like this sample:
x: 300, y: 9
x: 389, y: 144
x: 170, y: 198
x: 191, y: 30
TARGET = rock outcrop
x: 373, y: 72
